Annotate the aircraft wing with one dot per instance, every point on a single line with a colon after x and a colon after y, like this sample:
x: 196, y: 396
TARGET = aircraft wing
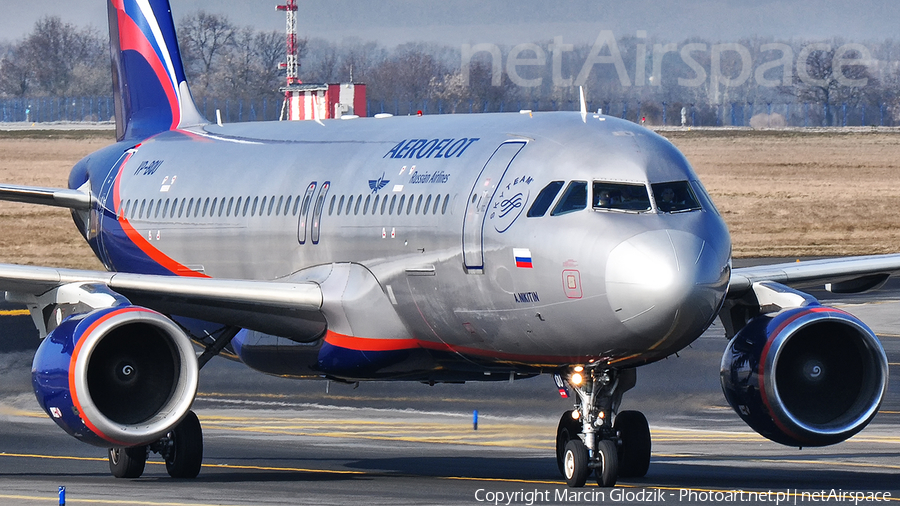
x: 838, y: 275
x: 279, y: 308
x: 59, y: 197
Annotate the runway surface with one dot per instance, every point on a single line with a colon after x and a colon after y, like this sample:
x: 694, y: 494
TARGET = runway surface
x: 275, y: 441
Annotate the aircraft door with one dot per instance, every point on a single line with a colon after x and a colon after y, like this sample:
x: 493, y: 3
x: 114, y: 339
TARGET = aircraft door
x: 479, y: 202
x: 103, y: 212
x: 304, y: 212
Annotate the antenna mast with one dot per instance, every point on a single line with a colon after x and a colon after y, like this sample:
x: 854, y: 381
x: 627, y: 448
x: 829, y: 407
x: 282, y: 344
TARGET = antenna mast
x: 293, y: 62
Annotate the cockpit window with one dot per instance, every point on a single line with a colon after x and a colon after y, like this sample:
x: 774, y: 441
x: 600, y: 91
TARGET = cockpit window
x: 621, y: 196
x: 574, y: 199
x: 544, y: 199
x: 675, y: 197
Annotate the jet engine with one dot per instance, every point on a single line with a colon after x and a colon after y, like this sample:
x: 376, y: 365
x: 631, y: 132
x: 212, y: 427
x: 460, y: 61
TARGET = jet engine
x: 117, y: 376
x: 807, y: 376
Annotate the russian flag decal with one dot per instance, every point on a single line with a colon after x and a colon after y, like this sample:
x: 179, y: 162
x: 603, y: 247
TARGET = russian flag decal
x: 523, y: 257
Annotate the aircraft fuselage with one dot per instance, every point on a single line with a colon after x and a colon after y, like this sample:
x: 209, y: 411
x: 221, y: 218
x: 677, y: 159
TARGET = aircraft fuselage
x: 437, y: 212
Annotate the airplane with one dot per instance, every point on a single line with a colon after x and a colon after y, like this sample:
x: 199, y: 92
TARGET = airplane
x: 447, y: 248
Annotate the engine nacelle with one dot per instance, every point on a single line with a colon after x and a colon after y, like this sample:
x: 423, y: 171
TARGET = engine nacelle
x: 118, y: 376
x: 809, y: 376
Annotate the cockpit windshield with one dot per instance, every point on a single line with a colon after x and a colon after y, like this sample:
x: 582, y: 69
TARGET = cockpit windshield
x: 674, y: 197
x: 621, y: 196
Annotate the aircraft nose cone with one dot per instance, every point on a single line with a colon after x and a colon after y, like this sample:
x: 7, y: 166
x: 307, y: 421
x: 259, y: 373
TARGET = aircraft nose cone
x: 666, y: 286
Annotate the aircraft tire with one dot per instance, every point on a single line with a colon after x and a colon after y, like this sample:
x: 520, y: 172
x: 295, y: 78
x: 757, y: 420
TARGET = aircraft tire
x: 576, y: 463
x: 127, y: 462
x: 609, y: 471
x: 187, y: 452
x: 567, y: 430
x: 634, y: 453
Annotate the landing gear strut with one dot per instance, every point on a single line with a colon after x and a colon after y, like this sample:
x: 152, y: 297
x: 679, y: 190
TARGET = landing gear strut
x: 181, y: 448
x: 587, y: 440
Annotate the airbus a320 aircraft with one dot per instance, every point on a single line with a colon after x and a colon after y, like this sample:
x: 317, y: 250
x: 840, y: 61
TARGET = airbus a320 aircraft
x: 429, y: 249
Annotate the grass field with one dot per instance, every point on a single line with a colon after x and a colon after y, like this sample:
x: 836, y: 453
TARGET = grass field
x: 782, y: 193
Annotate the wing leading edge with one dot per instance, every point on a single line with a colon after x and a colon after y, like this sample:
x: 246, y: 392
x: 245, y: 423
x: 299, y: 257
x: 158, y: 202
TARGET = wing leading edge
x: 272, y: 307
x: 839, y: 275
x: 59, y: 197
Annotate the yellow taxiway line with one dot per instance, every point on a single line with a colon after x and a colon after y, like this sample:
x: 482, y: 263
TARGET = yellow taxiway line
x: 13, y: 312
x: 73, y: 500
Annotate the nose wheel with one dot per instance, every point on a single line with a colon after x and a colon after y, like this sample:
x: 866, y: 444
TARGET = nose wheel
x: 587, y: 440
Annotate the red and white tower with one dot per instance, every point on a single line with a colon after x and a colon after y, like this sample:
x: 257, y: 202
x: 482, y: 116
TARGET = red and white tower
x: 314, y: 101
x: 293, y: 62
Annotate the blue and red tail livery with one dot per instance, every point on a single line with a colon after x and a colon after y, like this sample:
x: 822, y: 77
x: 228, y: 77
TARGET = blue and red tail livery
x: 152, y: 95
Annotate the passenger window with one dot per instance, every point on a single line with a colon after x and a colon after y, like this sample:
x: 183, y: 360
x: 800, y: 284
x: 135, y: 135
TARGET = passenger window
x: 296, y: 206
x: 349, y: 205
x: 427, y: 205
x: 366, y: 206
x: 287, y: 205
x: 419, y: 204
x: 253, y: 210
x: 409, y: 205
x: 271, y: 205
x: 384, y: 204
x: 621, y: 196
x: 247, y: 205
x: 262, y: 206
x: 674, y: 197
x: 393, y: 203
x: 574, y: 199
x: 446, y: 201
x: 340, y: 204
x: 180, y: 209
x: 278, y: 207
x: 544, y: 199
x: 400, y: 207
x: 165, y: 209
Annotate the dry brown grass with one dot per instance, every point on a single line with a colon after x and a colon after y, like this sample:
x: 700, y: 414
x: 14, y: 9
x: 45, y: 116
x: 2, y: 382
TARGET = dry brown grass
x: 782, y: 193
x: 802, y: 194
x: 41, y: 235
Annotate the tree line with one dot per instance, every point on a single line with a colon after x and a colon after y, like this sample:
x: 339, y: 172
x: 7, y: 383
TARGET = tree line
x: 225, y: 60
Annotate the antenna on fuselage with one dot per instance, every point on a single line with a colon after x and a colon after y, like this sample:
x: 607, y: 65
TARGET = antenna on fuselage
x: 583, y: 104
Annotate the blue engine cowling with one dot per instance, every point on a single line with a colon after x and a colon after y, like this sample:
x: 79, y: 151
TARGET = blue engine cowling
x: 118, y: 376
x: 809, y: 376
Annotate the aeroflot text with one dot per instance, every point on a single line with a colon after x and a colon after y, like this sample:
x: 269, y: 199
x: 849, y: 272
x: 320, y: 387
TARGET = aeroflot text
x: 434, y: 148
x: 620, y: 495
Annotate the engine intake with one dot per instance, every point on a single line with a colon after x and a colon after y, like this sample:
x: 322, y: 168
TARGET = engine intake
x: 120, y: 376
x: 809, y: 376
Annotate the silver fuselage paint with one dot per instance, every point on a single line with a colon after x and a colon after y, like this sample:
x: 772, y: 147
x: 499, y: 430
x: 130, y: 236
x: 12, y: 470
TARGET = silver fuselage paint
x: 623, y: 287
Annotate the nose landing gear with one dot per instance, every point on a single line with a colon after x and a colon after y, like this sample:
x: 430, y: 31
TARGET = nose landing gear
x: 586, y: 438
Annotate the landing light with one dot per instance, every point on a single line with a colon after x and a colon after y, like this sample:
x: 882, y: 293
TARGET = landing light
x: 578, y: 368
x: 575, y: 414
x: 577, y: 379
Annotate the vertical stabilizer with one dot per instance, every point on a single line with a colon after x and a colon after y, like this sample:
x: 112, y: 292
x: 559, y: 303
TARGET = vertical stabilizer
x: 151, y: 92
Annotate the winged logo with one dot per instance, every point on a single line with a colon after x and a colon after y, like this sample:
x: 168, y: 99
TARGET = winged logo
x: 377, y: 184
